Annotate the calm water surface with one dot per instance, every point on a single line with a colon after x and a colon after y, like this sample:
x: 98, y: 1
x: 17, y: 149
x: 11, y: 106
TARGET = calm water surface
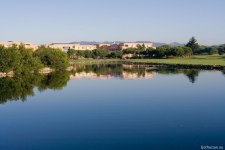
x: 113, y: 107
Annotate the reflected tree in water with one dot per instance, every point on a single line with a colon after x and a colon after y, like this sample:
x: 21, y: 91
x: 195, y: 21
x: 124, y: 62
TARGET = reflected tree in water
x: 192, y: 75
x: 20, y: 87
x: 103, y: 69
x: 223, y: 73
x: 54, y: 80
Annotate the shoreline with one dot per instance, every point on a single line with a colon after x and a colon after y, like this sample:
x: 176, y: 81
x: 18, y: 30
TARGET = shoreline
x: 159, y: 62
x: 129, y: 62
x: 179, y: 65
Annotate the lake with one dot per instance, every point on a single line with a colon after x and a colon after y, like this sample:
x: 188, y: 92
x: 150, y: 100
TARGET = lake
x: 113, y: 106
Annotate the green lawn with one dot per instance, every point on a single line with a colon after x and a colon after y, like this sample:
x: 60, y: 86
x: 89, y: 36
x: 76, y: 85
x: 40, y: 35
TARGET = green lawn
x: 200, y: 60
x: 90, y: 60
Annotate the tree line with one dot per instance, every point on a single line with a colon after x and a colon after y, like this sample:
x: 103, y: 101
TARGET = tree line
x: 205, y: 50
x: 139, y: 52
x: 19, y: 59
x: 165, y: 51
x: 210, y: 50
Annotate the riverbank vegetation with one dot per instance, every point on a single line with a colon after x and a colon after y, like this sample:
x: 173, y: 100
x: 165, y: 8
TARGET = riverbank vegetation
x: 140, y: 52
x: 194, y: 60
x: 165, y: 51
x: 21, y: 60
x: 18, y: 59
x: 191, y: 53
x: 52, y: 58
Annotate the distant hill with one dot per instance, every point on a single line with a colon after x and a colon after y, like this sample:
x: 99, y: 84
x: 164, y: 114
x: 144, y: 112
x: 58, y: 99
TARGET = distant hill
x: 85, y: 42
x: 109, y: 42
x: 93, y: 42
x: 176, y: 44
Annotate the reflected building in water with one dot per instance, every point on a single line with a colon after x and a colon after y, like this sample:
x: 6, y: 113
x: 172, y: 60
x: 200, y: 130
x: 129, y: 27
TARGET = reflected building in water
x: 122, y: 75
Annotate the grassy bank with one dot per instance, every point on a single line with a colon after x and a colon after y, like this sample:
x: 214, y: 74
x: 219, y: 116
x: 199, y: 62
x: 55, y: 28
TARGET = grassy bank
x: 92, y: 61
x: 195, y: 60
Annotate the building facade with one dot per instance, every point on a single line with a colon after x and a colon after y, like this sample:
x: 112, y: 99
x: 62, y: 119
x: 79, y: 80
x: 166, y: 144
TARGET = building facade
x: 64, y: 46
x: 122, y: 46
x: 27, y: 44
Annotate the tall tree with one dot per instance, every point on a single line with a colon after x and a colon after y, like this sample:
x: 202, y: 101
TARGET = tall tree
x: 187, y: 51
x: 192, y: 44
x: 53, y: 58
x: 100, y: 53
x: 141, y: 47
x: 213, y: 50
x: 28, y: 62
x: 9, y: 58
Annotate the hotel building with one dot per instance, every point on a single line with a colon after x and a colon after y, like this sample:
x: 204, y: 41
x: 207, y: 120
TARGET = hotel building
x: 122, y: 46
x: 27, y: 44
x: 65, y: 46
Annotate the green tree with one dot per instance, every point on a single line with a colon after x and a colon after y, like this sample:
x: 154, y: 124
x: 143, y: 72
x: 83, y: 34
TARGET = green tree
x: 129, y: 51
x: 88, y: 54
x: 100, y: 53
x: 187, y: 51
x: 80, y: 53
x: 18, y: 59
x: 222, y: 49
x: 71, y: 53
x: 28, y: 62
x: 176, y: 51
x: 150, y: 52
x: 192, y: 44
x: 53, y: 58
x: 213, y: 50
x: 140, y: 47
x: 9, y: 58
x: 116, y: 54
x: 161, y: 51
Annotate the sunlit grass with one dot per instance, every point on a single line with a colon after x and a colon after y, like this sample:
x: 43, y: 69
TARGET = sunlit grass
x: 91, y: 60
x: 200, y: 60
x: 197, y: 59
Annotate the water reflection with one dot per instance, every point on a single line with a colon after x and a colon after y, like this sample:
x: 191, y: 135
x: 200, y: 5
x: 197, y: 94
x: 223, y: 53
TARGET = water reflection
x: 192, y: 74
x: 21, y: 86
x: 111, y: 71
x: 123, y: 71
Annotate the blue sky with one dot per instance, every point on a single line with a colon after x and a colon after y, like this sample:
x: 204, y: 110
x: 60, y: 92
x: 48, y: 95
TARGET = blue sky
x: 49, y: 21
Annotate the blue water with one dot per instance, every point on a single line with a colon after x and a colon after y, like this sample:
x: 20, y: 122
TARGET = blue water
x: 164, y: 112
